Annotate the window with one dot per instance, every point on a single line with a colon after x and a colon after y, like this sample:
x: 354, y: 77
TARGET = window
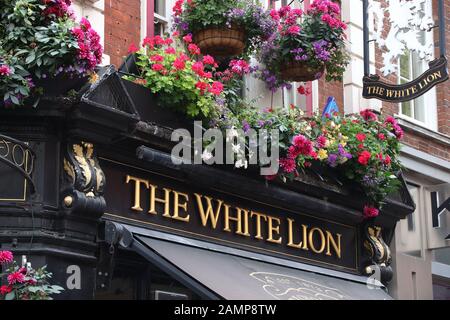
x: 423, y: 109
x: 160, y: 19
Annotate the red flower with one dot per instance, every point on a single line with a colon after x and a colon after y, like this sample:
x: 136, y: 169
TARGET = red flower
x: 202, y: 86
x: 6, y: 257
x: 216, y: 88
x: 132, y: 48
x: 148, y: 41
x: 368, y: 115
x: 370, y: 212
x: 187, y: 38
x: 16, y: 277
x: 304, y: 90
x: 157, y: 67
x: 5, y: 289
x: 381, y: 136
x: 364, y: 158
x: 193, y: 49
x: 179, y: 64
x: 360, y: 137
x: 387, y: 160
x: 293, y: 152
x: 159, y: 41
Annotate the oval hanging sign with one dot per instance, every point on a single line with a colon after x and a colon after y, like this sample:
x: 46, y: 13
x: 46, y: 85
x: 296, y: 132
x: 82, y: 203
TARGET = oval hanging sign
x: 373, y: 87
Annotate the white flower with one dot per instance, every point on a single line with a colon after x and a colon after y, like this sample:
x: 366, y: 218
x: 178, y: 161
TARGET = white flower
x: 206, y: 155
x: 241, y: 163
x: 236, y: 147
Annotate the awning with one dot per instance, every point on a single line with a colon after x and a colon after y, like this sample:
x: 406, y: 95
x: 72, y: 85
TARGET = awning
x: 215, y: 274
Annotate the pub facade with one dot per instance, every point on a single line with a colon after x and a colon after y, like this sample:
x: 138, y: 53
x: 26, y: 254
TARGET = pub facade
x: 90, y: 189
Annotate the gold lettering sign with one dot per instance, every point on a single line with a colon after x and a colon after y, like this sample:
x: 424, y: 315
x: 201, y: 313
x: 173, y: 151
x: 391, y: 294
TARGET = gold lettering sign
x: 241, y: 222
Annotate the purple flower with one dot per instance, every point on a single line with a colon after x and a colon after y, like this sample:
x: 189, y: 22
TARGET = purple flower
x: 320, y: 49
x: 344, y: 153
x: 245, y: 126
x: 332, y: 158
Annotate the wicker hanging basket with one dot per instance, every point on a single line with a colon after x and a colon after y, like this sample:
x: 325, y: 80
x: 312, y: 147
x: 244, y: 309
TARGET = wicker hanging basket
x: 300, y: 71
x: 221, y: 42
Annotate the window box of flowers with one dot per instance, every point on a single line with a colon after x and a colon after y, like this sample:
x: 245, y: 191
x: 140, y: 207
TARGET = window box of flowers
x: 307, y: 44
x: 44, y: 51
x: 169, y: 84
x: 223, y: 28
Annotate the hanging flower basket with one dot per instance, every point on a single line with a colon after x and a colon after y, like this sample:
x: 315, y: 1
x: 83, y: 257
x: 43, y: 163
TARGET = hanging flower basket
x: 300, y: 71
x: 221, y: 42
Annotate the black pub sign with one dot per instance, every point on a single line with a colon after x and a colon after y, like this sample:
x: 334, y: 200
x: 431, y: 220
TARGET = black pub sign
x: 169, y: 204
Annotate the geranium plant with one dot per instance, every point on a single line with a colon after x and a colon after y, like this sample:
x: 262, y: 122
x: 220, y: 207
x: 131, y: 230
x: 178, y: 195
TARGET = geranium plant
x: 360, y: 148
x: 192, y: 16
x: 42, y: 37
x: 314, y: 40
x: 182, y: 80
x: 25, y: 283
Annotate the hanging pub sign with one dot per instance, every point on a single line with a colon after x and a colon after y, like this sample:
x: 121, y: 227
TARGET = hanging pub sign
x: 407, y: 23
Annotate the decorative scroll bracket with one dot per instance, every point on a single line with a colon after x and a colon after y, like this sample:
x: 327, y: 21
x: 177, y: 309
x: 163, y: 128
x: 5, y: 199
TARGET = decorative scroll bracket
x: 379, y: 254
x: 83, y: 180
x: 19, y: 156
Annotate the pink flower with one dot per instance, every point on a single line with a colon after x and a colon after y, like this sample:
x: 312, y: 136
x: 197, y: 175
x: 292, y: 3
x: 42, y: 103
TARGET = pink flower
x: 198, y: 67
x: 159, y: 41
x: 208, y: 60
x: 321, y: 141
x: 170, y: 50
x: 193, y: 49
x: 157, y: 67
x: 216, y: 88
x: 5, y: 290
x: 274, y: 14
x: 132, y: 48
x: 293, y: 152
x: 187, y: 38
x: 157, y: 58
x: 381, y: 136
x: 370, y: 212
x: 239, y: 67
x: 6, y: 257
x: 16, y: 277
x: 293, y: 30
x: 303, y: 144
x: 288, y: 165
x: 5, y: 70
x: 85, y: 23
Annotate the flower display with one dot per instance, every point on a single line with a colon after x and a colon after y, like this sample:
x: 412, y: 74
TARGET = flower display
x: 190, y: 16
x: 181, y: 80
x: 40, y: 39
x: 25, y: 283
x: 348, y: 144
x: 315, y: 37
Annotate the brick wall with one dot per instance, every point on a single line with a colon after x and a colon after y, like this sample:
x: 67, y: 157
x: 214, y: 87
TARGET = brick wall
x: 335, y: 89
x: 122, y: 27
x: 443, y: 90
x: 431, y: 146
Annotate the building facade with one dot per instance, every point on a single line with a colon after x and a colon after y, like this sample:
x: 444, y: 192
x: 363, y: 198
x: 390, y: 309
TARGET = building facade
x: 421, y: 253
